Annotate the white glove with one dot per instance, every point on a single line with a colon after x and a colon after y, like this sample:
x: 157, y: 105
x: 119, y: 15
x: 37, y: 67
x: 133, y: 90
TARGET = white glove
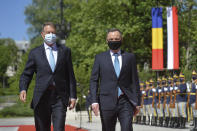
x: 171, y: 88
x: 154, y: 90
x: 165, y: 89
x: 196, y: 86
x: 176, y: 88
x: 160, y: 90
x: 143, y: 92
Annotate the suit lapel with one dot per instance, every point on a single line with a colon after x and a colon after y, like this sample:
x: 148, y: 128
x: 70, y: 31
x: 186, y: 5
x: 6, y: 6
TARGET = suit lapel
x: 123, y: 61
x: 45, y: 57
x: 110, y: 63
x: 59, y: 54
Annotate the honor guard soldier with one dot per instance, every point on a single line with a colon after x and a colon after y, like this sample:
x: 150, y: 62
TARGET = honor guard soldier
x: 150, y: 98
x: 145, y: 106
x: 166, y: 103
x: 176, y: 123
x: 140, y: 114
x: 152, y: 92
x: 171, y: 104
x: 193, y: 100
x: 160, y: 104
x: 182, y: 100
x: 153, y: 104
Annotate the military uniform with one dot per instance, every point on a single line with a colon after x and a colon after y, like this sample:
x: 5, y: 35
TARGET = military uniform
x: 182, y: 100
x: 176, y: 123
x: 160, y: 104
x: 171, y: 106
x: 166, y: 102
x: 140, y: 114
x: 146, y: 105
x: 193, y: 99
x: 152, y: 93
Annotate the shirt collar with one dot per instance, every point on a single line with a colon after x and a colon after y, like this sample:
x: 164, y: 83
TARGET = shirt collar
x: 54, y: 46
x: 119, y: 52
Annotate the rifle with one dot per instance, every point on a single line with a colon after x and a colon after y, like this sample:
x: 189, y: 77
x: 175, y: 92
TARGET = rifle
x: 173, y: 106
x: 171, y: 101
x: 188, y: 98
x: 164, y: 101
x: 196, y: 100
x: 153, y: 102
x: 142, y: 103
x: 158, y: 106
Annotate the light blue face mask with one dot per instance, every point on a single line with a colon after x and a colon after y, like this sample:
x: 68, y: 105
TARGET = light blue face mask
x: 50, y: 38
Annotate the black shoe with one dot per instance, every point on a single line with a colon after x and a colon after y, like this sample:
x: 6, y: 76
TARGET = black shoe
x: 166, y: 122
x: 176, y: 122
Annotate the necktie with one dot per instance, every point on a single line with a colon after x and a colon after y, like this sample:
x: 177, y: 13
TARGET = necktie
x: 117, y: 70
x: 51, y: 60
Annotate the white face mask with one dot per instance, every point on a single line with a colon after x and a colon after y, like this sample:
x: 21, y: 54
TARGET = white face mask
x: 50, y: 38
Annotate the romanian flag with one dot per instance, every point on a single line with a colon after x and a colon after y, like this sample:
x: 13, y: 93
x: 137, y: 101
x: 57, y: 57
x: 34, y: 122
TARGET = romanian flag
x: 173, y: 38
x: 157, y: 39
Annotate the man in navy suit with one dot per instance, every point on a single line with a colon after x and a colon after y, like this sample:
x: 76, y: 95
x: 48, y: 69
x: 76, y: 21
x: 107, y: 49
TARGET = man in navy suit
x: 115, y: 73
x: 55, y: 86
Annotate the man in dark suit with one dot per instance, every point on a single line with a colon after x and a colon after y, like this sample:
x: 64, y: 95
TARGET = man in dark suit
x: 115, y: 72
x: 55, y: 86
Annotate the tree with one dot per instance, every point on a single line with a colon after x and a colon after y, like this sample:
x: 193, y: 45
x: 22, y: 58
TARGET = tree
x: 8, y: 56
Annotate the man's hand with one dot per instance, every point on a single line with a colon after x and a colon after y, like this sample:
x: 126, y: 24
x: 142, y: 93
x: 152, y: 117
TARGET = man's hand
x: 95, y: 108
x: 23, y: 95
x: 72, y: 104
x: 136, y: 110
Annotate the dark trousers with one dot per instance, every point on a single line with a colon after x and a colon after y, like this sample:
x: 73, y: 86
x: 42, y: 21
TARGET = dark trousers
x: 50, y: 107
x: 124, y: 113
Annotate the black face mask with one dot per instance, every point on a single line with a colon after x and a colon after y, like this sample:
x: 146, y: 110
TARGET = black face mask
x: 194, y: 78
x: 181, y: 79
x: 114, y: 45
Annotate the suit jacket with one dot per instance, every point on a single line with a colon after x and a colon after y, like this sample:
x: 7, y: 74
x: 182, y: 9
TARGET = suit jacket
x: 104, y: 76
x: 63, y: 76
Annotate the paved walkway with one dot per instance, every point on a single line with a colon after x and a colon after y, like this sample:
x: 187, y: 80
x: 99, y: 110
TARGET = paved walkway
x: 75, y: 120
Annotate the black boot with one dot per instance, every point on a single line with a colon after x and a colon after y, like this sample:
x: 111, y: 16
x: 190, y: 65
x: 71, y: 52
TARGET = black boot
x: 166, y: 122
x: 137, y: 118
x: 152, y: 121
x: 155, y: 121
x: 144, y: 120
x: 183, y: 123
x: 176, y: 122
x: 195, y: 124
x: 140, y: 119
x: 148, y: 120
x: 160, y: 121
x: 192, y: 122
x: 171, y: 122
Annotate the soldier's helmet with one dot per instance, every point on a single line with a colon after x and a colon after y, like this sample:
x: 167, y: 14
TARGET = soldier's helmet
x: 147, y: 84
x: 141, y: 84
x: 194, y: 75
x: 175, y: 77
x: 181, y: 77
x: 164, y: 80
x: 170, y: 79
x: 151, y: 82
x: 158, y: 81
x: 194, y: 72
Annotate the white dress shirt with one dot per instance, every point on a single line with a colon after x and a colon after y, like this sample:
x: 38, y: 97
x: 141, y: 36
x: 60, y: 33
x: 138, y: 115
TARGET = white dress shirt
x: 119, y: 58
x: 47, y: 51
